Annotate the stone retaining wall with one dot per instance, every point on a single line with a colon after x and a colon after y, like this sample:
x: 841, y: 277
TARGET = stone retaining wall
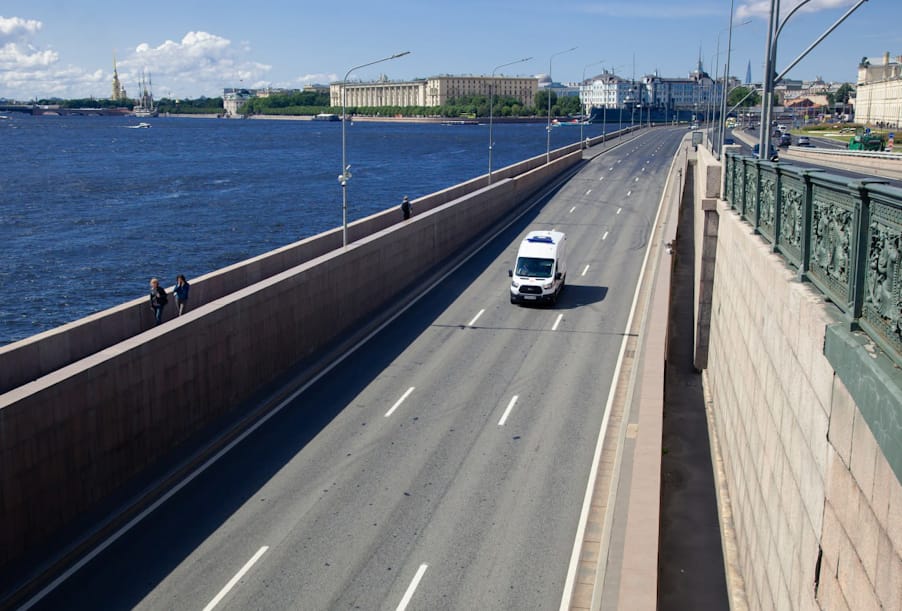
x: 71, y: 438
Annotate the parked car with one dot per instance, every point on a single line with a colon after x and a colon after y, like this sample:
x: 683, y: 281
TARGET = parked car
x: 804, y: 141
x: 729, y: 141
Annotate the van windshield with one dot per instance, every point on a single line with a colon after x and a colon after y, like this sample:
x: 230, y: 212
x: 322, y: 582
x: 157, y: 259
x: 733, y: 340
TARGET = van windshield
x: 530, y: 267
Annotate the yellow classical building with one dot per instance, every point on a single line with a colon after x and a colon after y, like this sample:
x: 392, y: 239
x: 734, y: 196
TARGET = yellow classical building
x: 434, y: 91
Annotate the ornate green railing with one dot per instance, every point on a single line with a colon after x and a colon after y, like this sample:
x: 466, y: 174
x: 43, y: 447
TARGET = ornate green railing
x: 843, y: 235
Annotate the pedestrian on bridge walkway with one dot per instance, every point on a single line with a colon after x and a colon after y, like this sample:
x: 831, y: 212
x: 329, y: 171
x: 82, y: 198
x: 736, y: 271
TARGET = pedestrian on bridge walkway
x: 405, y: 207
x: 158, y: 300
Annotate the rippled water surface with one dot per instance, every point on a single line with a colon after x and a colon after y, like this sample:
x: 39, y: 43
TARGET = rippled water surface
x: 90, y: 209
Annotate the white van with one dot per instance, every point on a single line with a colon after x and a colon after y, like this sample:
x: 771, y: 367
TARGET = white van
x: 540, y: 271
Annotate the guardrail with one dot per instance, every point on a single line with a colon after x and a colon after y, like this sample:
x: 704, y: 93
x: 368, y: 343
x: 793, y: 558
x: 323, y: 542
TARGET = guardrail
x: 847, y: 153
x: 842, y: 235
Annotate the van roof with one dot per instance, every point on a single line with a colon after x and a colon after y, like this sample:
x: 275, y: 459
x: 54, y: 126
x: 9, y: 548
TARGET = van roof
x: 541, y: 244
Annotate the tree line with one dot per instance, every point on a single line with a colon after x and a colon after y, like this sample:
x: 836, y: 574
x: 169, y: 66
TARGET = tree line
x: 475, y: 106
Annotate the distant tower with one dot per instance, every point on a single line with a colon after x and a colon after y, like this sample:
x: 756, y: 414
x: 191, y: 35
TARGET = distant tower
x: 748, y: 73
x: 118, y: 89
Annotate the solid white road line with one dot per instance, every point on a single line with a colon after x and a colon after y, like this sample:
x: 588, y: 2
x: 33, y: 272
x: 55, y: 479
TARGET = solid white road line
x: 412, y: 587
x: 584, y: 271
x: 593, y: 470
x: 605, y: 236
x: 234, y: 580
x: 96, y: 551
x: 557, y: 322
x: 619, y: 210
x: 399, y: 402
x: 475, y: 318
x: 572, y: 209
x: 507, y: 410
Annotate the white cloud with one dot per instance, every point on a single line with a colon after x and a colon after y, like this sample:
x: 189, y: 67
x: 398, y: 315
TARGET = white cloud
x: 201, y: 63
x: 761, y: 8
x: 319, y: 78
x: 16, y: 28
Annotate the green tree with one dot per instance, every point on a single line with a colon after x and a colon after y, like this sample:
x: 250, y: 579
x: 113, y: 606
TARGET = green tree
x: 739, y: 93
x: 542, y: 98
x: 844, y: 92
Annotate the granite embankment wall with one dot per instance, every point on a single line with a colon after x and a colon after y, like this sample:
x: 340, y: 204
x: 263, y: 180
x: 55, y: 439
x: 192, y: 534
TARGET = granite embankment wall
x: 39, y: 355
x: 71, y: 438
x: 816, y: 503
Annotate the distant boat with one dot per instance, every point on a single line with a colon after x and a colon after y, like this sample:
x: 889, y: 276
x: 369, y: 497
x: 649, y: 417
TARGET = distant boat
x: 326, y: 116
x: 144, y: 107
x: 141, y: 125
x: 461, y: 122
x: 4, y: 117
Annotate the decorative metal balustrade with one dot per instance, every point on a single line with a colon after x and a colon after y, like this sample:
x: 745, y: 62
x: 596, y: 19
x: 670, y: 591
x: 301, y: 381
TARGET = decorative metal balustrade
x: 843, y: 235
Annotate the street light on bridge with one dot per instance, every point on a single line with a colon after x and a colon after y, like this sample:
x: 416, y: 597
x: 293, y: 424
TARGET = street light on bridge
x: 345, y: 175
x: 492, y: 108
x: 582, y: 84
x: 550, y: 87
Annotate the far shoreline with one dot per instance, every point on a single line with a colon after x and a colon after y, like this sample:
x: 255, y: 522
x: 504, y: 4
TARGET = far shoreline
x: 364, y: 119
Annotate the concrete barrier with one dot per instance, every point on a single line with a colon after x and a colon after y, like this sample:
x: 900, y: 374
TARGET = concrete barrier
x: 27, y: 360
x: 73, y: 437
x: 887, y: 165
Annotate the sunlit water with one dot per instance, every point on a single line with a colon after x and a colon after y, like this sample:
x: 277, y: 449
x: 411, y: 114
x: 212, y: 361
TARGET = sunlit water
x: 90, y: 210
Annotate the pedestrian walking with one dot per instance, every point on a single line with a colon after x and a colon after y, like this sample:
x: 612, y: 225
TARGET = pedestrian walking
x: 158, y: 300
x: 181, y: 293
x: 405, y: 208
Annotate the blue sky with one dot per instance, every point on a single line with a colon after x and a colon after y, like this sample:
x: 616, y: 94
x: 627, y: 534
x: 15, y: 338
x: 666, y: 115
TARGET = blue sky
x: 195, y: 47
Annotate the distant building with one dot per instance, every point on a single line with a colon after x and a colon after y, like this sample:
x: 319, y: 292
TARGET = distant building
x: 234, y: 99
x: 118, y: 93
x: 696, y: 92
x: 878, y: 98
x: 561, y: 90
x: 606, y: 90
x: 432, y: 92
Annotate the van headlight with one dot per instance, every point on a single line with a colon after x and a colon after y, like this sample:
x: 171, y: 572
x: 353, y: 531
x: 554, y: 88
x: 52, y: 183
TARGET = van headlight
x: 515, y: 284
x: 548, y: 285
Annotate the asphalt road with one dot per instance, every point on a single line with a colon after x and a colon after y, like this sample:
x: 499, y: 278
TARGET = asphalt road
x: 818, y: 143
x: 442, y: 465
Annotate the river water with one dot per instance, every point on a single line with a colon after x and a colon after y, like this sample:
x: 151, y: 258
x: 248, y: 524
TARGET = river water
x: 90, y: 210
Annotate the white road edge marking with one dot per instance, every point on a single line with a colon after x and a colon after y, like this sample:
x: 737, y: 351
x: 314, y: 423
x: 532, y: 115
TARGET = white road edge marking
x: 619, y: 210
x: 412, y: 587
x: 475, y: 318
x: 399, y: 402
x: 234, y: 580
x: 507, y: 410
x: 558, y: 320
x: 605, y: 236
x: 593, y: 472
x: 572, y: 209
x: 585, y: 270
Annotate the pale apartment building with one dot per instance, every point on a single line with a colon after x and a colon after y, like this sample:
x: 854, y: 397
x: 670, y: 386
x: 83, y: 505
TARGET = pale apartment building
x: 878, y: 97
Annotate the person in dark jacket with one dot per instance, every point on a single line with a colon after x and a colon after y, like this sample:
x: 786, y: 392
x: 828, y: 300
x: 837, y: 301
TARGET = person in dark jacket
x: 158, y: 300
x: 405, y: 208
x: 181, y: 293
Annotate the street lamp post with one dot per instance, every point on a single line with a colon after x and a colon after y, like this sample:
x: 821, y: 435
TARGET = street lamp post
x: 550, y: 84
x: 492, y: 109
x: 345, y: 175
x: 582, y: 84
